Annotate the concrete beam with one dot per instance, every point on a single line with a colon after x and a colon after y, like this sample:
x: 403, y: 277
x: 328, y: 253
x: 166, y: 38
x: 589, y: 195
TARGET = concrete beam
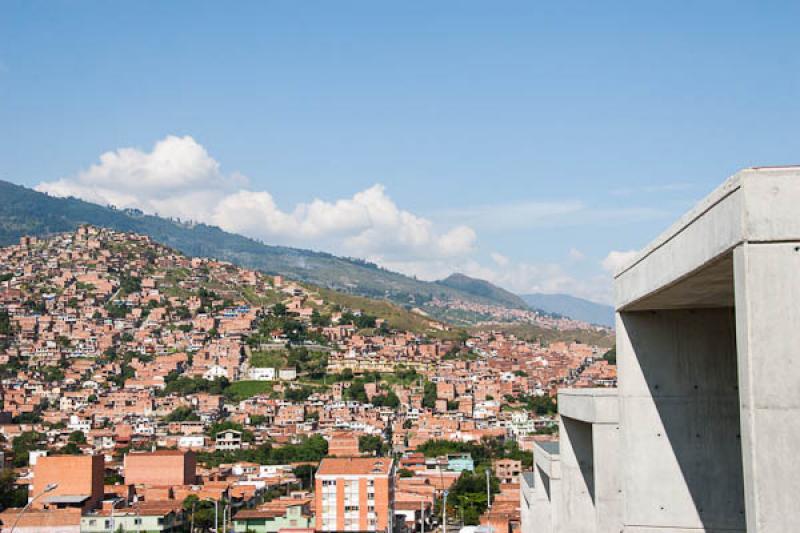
x: 755, y: 205
x: 592, y: 405
x: 546, y: 456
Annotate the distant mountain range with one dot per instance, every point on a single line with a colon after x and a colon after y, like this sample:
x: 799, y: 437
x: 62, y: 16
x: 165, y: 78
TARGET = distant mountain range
x: 24, y: 211
x: 483, y: 289
x: 573, y: 307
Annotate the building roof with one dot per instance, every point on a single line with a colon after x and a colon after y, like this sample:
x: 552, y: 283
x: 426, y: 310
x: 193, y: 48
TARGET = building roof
x: 550, y: 447
x: 349, y: 466
x: 67, y: 498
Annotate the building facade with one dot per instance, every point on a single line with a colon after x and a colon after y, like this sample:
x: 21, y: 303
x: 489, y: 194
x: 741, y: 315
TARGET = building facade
x: 701, y: 434
x: 355, y: 494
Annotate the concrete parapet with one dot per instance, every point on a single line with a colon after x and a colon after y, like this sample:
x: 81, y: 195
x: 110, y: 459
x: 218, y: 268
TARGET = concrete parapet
x: 546, y: 504
x: 589, y: 449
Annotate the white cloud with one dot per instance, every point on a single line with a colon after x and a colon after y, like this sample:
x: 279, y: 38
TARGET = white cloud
x: 517, y: 277
x: 576, y: 255
x: 179, y: 178
x: 499, y: 259
x: 615, y: 260
x: 548, y: 214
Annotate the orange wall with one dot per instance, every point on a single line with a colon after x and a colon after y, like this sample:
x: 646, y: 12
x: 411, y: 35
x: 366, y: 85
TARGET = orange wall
x: 160, y: 469
x: 74, y: 474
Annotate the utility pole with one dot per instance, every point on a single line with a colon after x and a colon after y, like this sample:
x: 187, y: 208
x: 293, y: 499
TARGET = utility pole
x: 422, y: 516
x: 488, y: 490
x: 444, y: 513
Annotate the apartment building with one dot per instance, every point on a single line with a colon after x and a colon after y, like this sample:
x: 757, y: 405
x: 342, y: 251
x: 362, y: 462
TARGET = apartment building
x: 160, y: 468
x: 355, y: 494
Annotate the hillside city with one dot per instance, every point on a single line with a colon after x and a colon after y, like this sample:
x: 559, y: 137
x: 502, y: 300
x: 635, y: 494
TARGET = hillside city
x: 146, y: 390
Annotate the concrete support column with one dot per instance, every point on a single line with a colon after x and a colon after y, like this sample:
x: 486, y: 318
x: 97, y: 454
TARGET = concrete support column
x: 540, y: 506
x: 607, y: 479
x: 767, y: 278
x: 577, y: 476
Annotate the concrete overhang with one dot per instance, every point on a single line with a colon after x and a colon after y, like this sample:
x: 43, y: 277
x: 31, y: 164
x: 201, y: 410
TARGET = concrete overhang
x: 593, y: 406
x: 546, y: 457
x: 690, y: 265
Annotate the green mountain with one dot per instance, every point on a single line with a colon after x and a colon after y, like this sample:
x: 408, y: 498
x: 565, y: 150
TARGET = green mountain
x: 483, y: 289
x: 24, y: 211
x: 577, y: 308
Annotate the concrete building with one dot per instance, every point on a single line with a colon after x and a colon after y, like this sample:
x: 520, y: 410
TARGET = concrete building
x: 228, y: 439
x: 707, y: 330
x: 507, y: 470
x: 355, y: 494
x: 160, y: 468
x: 706, y: 343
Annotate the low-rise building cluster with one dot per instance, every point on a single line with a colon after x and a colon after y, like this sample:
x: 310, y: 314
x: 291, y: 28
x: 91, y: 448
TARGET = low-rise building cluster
x: 151, y: 390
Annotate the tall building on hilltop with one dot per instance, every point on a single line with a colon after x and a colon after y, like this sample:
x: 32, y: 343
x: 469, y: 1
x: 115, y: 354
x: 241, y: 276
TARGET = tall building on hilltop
x: 355, y: 494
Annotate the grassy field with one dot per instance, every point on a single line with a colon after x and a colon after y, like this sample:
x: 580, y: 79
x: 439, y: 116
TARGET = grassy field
x: 532, y: 332
x: 241, y: 390
x: 396, y: 316
x: 269, y: 359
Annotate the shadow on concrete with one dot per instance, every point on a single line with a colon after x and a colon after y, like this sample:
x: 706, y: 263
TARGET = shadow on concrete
x: 688, y: 360
x: 580, y: 437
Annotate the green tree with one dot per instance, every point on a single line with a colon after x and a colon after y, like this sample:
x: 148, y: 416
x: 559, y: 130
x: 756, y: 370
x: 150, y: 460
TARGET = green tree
x: 371, y: 444
x: 77, y: 437
x: 5, y: 323
x: 11, y: 494
x: 390, y: 399
x: 182, y: 414
x: 429, y: 395
x: 356, y: 392
x: 305, y: 473
x: 23, y: 445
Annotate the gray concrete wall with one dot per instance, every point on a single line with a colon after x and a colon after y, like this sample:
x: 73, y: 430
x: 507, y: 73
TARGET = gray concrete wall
x: 590, y: 448
x: 768, y: 330
x: 679, y: 409
x: 547, y: 501
x: 577, y: 476
x: 526, y: 496
x: 541, y: 507
x: 607, y: 478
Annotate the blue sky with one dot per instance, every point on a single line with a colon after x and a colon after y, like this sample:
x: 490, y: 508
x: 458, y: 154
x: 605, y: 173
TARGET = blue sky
x: 522, y: 142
